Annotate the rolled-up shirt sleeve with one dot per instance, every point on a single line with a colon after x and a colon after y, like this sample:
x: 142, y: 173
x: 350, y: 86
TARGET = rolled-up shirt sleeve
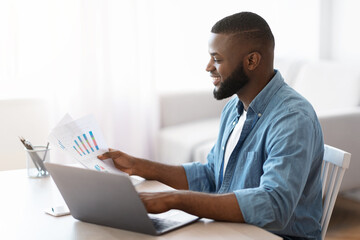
x: 286, y: 170
x: 200, y: 176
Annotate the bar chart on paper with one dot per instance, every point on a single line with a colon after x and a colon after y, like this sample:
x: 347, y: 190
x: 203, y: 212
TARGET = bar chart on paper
x: 83, y: 140
x: 85, y: 144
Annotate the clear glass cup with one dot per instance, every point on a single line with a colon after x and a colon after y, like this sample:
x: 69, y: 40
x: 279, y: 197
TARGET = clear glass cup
x: 35, y: 160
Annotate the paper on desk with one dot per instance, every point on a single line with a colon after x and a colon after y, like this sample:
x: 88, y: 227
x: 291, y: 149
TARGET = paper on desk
x: 83, y: 140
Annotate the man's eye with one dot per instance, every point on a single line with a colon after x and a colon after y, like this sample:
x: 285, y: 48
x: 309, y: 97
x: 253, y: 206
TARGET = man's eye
x: 217, y: 60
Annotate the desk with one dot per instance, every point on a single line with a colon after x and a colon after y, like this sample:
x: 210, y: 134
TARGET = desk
x: 23, y: 199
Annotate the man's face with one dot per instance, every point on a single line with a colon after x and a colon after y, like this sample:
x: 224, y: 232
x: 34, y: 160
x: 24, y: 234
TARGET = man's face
x: 226, y: 65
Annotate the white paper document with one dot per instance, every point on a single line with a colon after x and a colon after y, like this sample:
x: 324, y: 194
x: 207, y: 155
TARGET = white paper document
x: 83, y: 140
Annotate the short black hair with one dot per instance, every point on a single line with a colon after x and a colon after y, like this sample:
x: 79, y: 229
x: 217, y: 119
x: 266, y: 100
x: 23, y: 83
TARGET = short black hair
x: 247, y: 25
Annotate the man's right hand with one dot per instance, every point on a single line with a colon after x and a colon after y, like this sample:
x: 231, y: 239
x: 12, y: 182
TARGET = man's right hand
x: 173, y: 176
x: 121, y: 160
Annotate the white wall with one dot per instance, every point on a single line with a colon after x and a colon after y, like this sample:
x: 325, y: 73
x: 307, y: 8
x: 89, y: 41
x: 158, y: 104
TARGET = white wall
x: 346, y: 31
x: 21, y: 117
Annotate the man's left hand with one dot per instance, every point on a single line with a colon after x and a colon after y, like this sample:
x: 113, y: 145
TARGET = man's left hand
x: 158, y: 202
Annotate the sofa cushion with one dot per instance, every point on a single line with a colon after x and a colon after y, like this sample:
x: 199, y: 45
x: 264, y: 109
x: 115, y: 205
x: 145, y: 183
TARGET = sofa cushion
x: 342, y: 130
x: 329, y: 85
x: 176, y: 144
x: 289, y: 68
x: 202, y: 150
x: 180, y: 108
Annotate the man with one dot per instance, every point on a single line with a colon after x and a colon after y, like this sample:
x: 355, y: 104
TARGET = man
x: 264, y: 168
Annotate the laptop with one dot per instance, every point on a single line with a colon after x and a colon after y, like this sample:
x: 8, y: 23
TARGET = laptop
x: 111, y: 200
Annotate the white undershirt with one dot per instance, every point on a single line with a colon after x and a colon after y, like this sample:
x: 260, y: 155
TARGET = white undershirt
x: 233, y: 139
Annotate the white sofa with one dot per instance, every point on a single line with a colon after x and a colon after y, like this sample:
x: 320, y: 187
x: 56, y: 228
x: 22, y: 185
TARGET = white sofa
x: 190, y: 121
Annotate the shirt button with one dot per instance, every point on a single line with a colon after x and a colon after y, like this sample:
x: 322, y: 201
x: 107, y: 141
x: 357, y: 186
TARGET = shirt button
x: 223, y: 148
x: 234, y: 123
x: 259, y: 114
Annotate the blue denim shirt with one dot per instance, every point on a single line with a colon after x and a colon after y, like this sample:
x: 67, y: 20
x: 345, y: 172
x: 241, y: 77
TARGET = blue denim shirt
x: 275, y: 167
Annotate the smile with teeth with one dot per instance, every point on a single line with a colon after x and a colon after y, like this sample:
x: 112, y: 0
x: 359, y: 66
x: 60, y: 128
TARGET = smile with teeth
x: 216, y: 80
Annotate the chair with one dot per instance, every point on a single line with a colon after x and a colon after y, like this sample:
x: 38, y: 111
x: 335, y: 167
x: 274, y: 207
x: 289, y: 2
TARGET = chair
x: 335, y: 163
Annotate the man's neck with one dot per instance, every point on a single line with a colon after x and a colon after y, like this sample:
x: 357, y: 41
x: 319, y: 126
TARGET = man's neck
x: 250, y: 91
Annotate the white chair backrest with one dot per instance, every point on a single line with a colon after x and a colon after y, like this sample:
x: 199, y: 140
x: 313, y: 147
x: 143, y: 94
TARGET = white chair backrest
x: 335, y: 163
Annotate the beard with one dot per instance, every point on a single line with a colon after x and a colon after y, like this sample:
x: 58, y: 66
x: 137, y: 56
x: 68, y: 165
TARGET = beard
x: 231, y: 85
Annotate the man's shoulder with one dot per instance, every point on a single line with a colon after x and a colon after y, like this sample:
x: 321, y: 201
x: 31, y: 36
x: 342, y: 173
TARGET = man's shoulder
x: 289, y: 101
x: 290, y: 110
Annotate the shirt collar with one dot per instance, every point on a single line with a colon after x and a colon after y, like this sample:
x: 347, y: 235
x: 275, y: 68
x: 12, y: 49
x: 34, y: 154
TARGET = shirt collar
x: 240, y: 107
x: 259, y: 103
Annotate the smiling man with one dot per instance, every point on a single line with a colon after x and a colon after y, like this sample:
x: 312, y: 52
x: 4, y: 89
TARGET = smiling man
x: 264, y: 168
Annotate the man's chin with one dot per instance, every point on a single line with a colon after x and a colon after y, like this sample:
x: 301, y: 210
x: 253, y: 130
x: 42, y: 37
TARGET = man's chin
x: 219, y: 95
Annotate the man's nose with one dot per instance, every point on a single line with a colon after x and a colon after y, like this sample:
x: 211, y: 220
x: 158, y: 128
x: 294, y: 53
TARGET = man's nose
x: 210, y: 66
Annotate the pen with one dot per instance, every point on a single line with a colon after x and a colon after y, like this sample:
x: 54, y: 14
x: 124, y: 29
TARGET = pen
x: 47, y: 148
x: 44, y: 170
x: 28, y: 146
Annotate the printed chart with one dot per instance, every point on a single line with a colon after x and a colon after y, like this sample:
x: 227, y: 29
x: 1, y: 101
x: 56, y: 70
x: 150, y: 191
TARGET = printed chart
x: 83, y: 140
x: 85, y: 144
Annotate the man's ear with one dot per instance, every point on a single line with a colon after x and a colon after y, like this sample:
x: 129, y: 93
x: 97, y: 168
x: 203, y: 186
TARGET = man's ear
x: 253, y: 60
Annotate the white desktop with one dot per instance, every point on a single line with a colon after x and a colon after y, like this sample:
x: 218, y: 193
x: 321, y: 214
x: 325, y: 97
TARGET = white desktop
x: 23, y: 201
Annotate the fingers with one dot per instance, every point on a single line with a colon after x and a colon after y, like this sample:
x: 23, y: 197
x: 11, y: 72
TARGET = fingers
x: 156, y: 202
x: 103, y: 156
x: 112, y: 153
x: 150, y: 203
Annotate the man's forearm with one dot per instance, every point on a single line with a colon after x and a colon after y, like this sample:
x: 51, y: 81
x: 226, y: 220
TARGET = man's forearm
x: 173, y: 176
x: 221, y: 207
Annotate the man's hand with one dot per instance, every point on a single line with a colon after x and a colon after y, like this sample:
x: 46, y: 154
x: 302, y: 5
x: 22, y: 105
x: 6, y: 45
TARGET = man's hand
x: 157, y: 202
x: 173, y: 176
x: 121, y: 160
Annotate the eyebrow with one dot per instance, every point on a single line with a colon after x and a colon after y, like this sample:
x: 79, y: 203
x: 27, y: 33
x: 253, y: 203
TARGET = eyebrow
x: 214, y: 53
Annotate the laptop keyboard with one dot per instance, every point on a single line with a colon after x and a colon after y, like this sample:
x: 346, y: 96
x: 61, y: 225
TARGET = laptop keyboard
x: 162, y: 224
